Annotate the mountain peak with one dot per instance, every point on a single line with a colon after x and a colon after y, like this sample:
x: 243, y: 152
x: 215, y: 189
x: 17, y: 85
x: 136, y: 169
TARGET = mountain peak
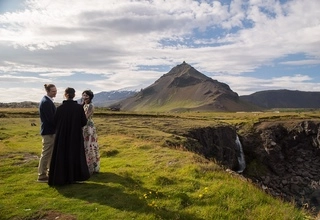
x: 186, y: 71
x: 184, y: 88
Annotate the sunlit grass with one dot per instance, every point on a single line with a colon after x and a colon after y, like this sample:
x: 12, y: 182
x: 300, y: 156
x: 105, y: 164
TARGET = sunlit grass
x: 139, y: 179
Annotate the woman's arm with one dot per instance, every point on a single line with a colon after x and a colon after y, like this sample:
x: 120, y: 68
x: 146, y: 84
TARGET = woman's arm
x: 90, y: 110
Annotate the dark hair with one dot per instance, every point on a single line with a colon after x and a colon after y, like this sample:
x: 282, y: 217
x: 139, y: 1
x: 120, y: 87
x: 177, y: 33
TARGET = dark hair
x: 70, y: 93
x: 89, y: 93
x: 48, y: 87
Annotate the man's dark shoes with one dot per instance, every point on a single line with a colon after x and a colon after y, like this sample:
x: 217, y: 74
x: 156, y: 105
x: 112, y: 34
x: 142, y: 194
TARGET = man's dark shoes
x: 43, y: 179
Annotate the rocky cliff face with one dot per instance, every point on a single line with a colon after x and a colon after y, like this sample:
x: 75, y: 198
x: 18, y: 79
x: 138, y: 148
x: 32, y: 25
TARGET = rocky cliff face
x: 289, y: 155
x: 217, y: 143
x: 283, y: 158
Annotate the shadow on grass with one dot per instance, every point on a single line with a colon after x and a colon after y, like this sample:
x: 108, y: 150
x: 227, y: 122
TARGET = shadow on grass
x: 122, y: 193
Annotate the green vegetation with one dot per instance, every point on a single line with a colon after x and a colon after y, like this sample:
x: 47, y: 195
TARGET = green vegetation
x: 140, y: 178
x: 169, y: 105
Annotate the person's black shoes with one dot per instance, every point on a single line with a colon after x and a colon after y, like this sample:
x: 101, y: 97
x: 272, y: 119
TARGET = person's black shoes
x: 43, y: 180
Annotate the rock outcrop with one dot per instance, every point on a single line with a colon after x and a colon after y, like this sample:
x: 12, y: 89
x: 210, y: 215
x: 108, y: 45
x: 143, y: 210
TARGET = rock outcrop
x: 288, y: 156
x: 217, y: 143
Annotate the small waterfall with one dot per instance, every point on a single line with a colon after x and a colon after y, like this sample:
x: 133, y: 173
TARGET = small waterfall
x: 241, y: 160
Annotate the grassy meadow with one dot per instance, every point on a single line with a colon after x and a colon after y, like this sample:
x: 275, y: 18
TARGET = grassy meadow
x: 140, y: 178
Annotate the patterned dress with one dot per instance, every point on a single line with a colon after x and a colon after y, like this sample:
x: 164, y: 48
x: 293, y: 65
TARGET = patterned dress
x: 91, y: 141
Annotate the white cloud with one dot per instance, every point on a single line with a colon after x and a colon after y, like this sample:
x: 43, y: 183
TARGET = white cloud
x: 18, y: 79
x: 56, y: 74
x: 301, y: 62
x: 56, y: 39
x: 248, y: 85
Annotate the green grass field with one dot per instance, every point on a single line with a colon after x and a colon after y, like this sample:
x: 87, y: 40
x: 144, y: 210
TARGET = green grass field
x: 140, y: 178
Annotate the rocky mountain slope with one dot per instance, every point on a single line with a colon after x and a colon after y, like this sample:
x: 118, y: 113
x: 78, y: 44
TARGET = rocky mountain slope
x: 184, y: 88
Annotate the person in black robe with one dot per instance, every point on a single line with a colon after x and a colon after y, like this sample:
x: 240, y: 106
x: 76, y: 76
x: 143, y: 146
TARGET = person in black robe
x: 68, y: 163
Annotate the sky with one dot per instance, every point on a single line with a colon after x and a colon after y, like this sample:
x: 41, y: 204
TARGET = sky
x: 251, y: 45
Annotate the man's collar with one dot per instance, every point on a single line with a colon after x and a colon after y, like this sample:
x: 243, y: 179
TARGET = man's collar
x: 49, y: 98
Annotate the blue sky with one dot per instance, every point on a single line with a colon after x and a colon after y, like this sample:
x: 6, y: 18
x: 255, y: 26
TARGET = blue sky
x: 251, y: 45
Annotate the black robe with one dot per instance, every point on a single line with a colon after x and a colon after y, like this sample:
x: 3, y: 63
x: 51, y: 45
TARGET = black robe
x: 68, y: 163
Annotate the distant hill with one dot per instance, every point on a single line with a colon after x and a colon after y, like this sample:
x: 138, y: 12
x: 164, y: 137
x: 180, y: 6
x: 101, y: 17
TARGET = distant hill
x: 25, y: 104
x: 105, y: 99
x: 184, y: 88
x: 284, y: 99
x: 101, y: 99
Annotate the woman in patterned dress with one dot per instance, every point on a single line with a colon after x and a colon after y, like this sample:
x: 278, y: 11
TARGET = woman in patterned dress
x: 90, y: 135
